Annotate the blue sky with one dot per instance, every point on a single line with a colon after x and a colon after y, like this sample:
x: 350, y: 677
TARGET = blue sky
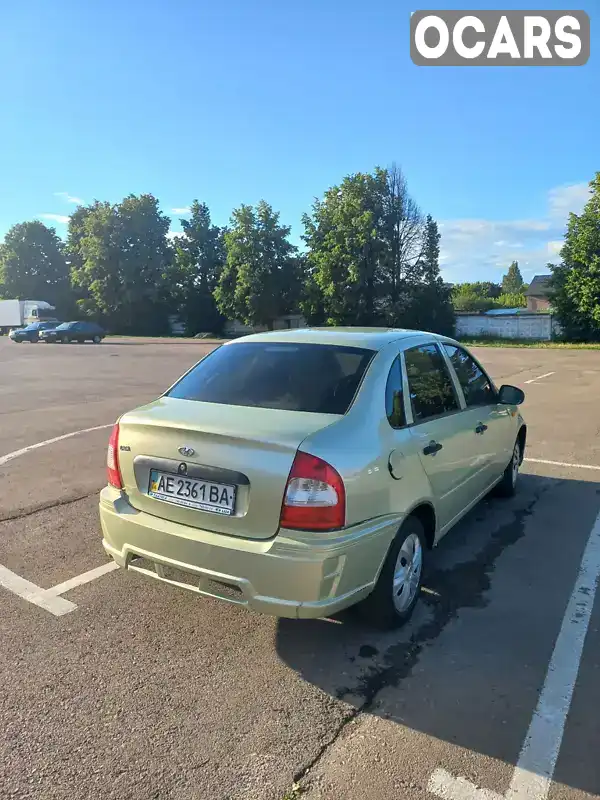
x: 238, y: 101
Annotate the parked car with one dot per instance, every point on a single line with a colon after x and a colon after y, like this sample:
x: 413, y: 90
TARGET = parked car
x: 31, y: 333
x: 74, y: 332
x: 300, y: 472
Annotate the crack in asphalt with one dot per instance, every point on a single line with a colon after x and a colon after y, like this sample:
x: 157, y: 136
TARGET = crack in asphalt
x: 463, y: 586
x: 54, y: 504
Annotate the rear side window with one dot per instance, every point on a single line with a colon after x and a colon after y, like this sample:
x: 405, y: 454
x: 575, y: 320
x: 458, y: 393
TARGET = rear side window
x: 394, y: 397
x: 431, y: 389
x: 476, y: 386
x: 287, y: 375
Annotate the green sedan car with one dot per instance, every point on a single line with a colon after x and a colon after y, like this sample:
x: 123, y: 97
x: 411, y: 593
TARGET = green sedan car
x: 301, y: 472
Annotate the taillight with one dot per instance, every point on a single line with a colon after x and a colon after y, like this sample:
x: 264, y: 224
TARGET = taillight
x: 315, y: 497
x: 112, y: 459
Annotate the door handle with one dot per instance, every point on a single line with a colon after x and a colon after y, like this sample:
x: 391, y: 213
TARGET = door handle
x: 481, y: 428
x: 432, y: 448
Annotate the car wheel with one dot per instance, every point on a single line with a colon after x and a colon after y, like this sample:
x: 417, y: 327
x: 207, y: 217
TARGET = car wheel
x: 398, y: 587
x: 508, y: 484
x: 97, y: 340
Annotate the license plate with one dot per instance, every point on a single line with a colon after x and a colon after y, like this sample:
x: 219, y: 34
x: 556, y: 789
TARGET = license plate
x: 219, y: 498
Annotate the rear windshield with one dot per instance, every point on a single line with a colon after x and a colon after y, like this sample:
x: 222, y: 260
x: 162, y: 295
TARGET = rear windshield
x: 287, y: 375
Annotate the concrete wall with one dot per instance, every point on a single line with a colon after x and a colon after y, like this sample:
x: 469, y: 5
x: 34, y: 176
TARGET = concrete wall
x: 507, y: 326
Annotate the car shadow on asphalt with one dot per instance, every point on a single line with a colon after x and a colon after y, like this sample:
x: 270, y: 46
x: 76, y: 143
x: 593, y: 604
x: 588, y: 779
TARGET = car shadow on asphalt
x: 468, y: 667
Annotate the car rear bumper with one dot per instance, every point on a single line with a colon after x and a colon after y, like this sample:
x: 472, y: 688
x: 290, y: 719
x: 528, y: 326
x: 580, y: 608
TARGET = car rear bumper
x: 294, y: 574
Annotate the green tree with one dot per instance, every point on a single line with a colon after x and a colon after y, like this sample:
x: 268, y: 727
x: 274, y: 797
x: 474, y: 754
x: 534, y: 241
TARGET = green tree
x: 191, y: 279
x: 261, y: 277
x: 75, y: 235
x: 465, y: 299
x: 403, y: 242
x: 311, y: 302
x: 122, y: 256
x: 432, y: 308
x: 512, y: 282
x: 477, y: 296
x: 576, y: 280
x: 372, y: 256
x: 33, y: 265
x: 517, y: 300
x: 343, y: 249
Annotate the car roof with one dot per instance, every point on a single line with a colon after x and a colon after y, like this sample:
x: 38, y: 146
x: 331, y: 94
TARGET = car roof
x: 369, y: 338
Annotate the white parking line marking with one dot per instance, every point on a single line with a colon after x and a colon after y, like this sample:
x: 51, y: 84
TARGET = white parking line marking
x: 79, y: 580
x: 50, y: 599
x: 34, y: 594
x: 561, y: 464
x: 534, y: 770
x: 539, y: 377
x: 16, y: 453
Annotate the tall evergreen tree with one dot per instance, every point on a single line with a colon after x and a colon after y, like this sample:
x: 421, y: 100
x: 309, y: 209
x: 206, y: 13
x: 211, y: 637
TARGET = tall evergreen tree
x: 431, y: 308
x: 512, y: 282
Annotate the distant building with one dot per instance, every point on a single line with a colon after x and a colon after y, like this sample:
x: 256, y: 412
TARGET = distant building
x: 538, y: 294
x: 286, y: 322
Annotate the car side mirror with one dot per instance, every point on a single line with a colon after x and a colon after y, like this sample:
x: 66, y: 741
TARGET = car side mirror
x: 511, y: 395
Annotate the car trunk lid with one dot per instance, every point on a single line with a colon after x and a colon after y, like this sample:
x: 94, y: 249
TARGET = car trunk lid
x: 250, y: 449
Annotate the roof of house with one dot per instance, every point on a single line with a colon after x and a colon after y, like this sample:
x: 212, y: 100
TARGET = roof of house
x: 539, y: 286
x: 500, y: 312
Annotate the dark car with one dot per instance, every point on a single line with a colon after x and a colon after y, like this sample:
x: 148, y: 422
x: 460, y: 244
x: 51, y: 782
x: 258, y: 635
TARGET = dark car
x: 74, y: 332
x: 31, y: 333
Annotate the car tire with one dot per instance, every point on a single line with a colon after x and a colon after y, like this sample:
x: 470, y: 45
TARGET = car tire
x: 507, y: 486
x: 97, y: 340
x: 392, y: 601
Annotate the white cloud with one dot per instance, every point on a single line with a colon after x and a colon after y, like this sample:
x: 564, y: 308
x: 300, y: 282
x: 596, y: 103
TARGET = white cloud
x: 56, y: 218
x: 564, y: 199
x: 182, y: 210
x: 555, y: 247
x: 69, y: 198
x: 482, y: 249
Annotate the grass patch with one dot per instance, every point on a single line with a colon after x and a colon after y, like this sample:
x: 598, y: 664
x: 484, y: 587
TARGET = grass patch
x: 482, y: 341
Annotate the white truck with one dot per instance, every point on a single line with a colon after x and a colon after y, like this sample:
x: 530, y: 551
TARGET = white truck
x: 18, y: 313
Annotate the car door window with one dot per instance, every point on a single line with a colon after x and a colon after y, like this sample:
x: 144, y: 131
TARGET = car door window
x: 476, y: 386
x: 431, y: 390
x: 394, y: 396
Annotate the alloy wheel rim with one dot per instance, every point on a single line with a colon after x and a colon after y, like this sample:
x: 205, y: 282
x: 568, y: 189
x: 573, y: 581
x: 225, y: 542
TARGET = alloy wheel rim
x: 515, y: 463
x: 407, y: 573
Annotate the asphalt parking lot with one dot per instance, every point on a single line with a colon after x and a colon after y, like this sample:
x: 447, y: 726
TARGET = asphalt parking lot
x: 127, y: 688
